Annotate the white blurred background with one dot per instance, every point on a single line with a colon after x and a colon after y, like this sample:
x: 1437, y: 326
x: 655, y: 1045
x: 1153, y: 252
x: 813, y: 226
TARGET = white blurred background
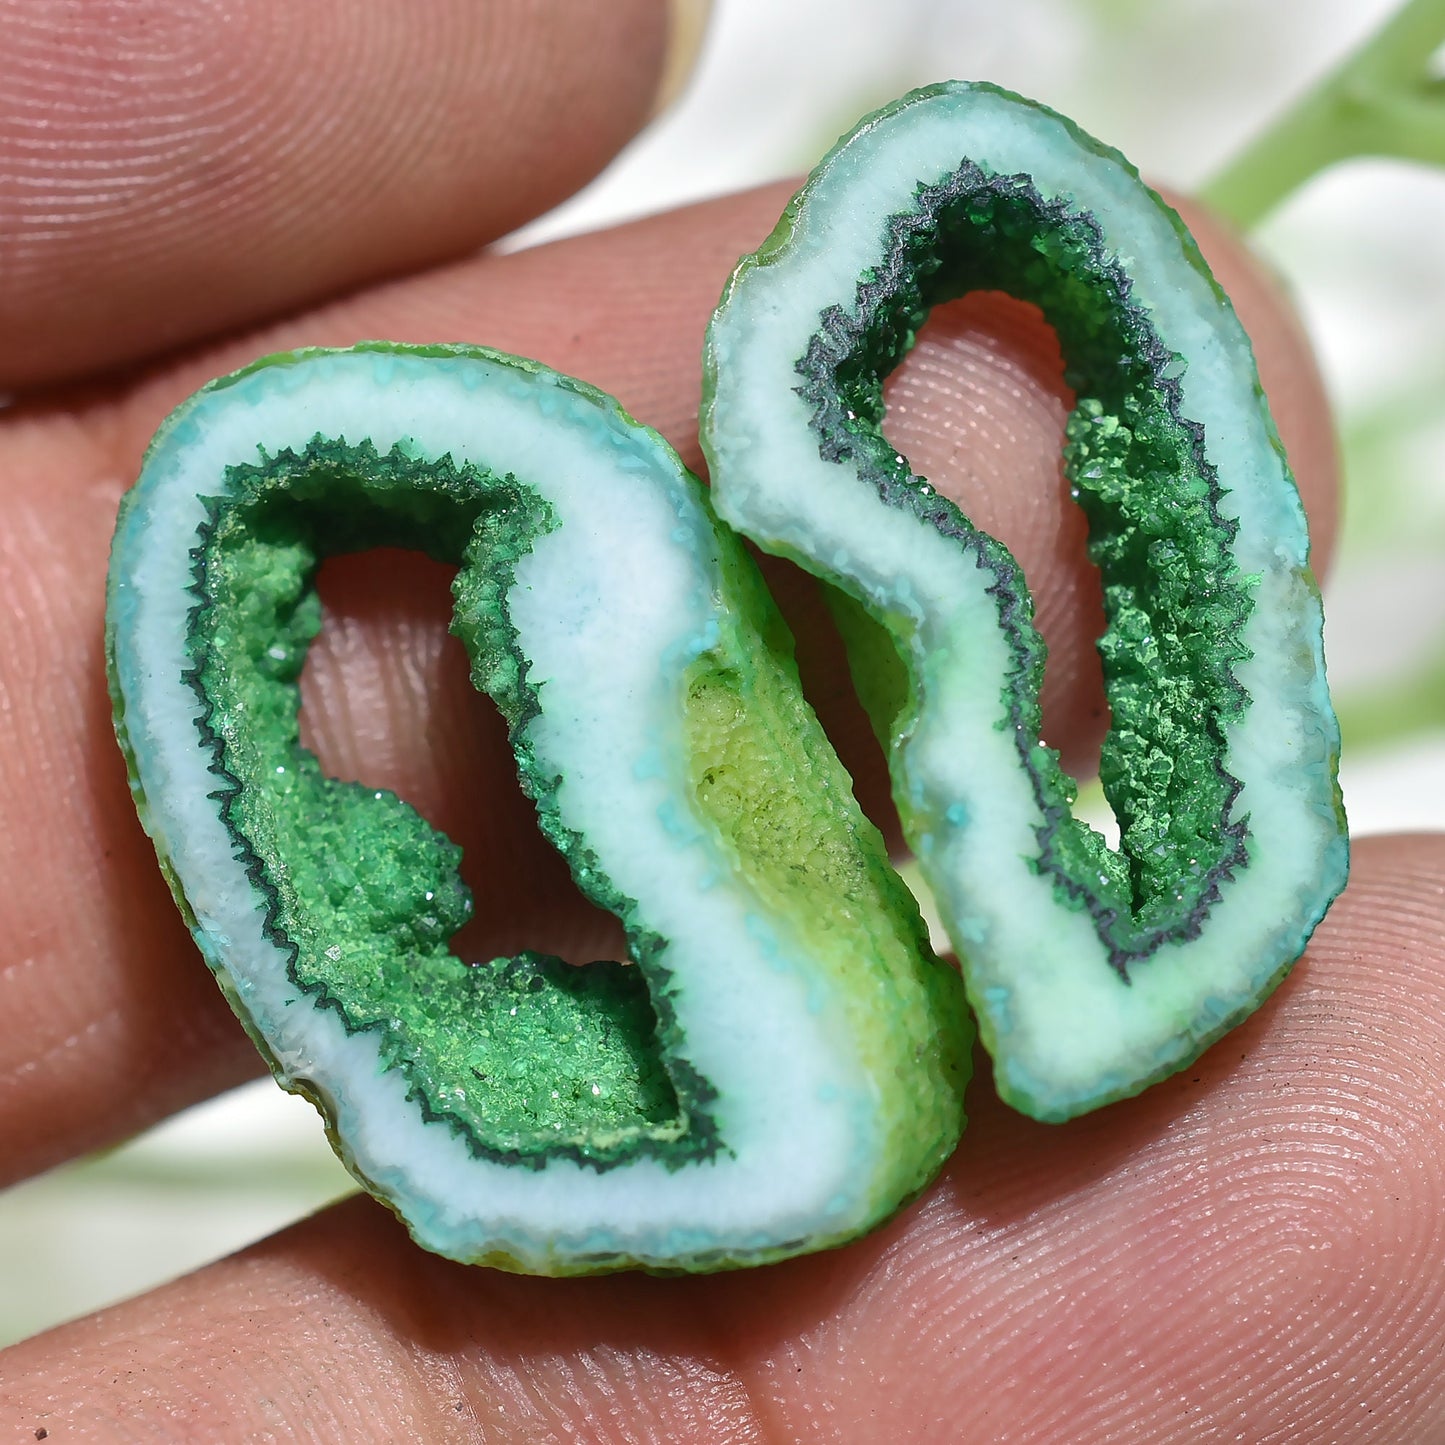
x: 1179, y: 88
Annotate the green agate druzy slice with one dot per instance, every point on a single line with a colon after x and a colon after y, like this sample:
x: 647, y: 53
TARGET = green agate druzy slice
x: 782, y: 1062
x: 1093, y: 971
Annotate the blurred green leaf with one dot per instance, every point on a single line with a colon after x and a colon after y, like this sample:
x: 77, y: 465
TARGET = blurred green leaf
x: 1384, y: 99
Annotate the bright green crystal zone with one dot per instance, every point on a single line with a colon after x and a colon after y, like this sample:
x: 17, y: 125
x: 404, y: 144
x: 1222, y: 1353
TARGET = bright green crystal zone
x: 526, y: 1059
x: 1176, y: 602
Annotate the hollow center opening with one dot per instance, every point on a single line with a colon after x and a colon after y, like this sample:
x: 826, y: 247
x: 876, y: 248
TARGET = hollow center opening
x: 978, y: 405
x: 387, y: 699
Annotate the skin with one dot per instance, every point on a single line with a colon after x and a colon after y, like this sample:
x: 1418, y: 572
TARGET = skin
x: 1249, y: 1251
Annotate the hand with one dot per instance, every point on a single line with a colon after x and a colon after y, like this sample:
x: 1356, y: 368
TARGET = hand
x: 1249, y: 1251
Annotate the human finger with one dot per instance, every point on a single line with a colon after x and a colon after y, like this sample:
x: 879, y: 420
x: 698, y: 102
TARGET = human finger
x: 168, y: 170
x: 1248, y: 1252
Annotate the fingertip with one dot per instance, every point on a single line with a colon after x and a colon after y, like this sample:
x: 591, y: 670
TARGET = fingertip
x: 176, y: 170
